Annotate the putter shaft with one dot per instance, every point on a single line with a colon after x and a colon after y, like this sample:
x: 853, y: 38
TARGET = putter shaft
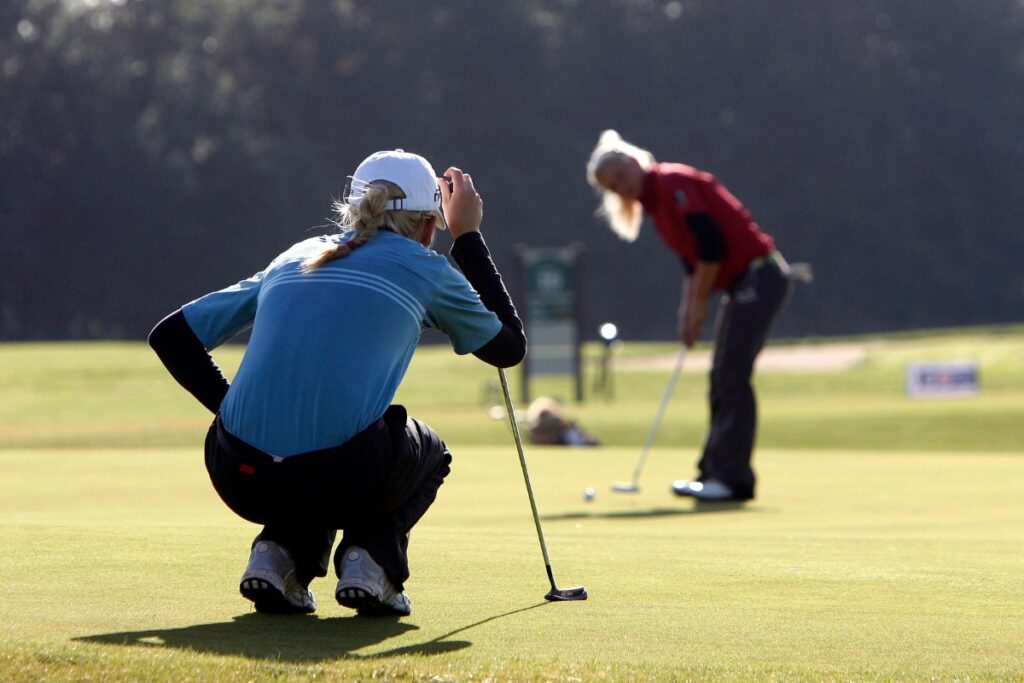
x: 634, y: 485
x: 555, y: 594
x: 526, y: 473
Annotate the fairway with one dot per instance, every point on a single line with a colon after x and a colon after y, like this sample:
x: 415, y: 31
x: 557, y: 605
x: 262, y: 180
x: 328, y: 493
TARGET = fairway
x: 854, y: 563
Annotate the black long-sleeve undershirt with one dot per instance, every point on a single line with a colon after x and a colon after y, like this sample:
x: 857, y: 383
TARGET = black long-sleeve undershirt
x: 710, y: 240
x: 508, y: 347
x: 188, y: 361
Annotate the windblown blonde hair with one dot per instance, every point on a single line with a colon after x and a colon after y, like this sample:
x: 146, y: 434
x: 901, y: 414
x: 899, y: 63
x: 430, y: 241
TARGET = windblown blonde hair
x: 623, y: 215
x: 366, y: 218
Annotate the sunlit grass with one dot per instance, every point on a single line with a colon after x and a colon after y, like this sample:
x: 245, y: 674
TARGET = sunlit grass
x: 105, y: 394
x: 885, y: 542
x: 123, y: 565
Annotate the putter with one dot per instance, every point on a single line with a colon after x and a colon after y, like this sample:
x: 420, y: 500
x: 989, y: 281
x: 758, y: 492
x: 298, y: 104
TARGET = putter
x: 634, y: 485
x: 556, y: 594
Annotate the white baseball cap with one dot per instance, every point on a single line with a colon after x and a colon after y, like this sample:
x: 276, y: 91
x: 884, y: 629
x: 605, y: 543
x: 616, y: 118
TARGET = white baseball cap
x: 410, y: 172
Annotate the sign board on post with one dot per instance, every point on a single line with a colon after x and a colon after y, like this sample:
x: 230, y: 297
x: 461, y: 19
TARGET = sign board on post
x: 552, y: 310
x: 955, y: 378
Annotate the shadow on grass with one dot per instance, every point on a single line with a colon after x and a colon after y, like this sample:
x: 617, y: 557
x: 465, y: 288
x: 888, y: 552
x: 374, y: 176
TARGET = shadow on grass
x: 293, y: 638
x: 698, y: 509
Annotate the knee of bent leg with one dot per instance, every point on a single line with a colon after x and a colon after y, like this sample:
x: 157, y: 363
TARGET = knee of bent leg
x: 433, y: 450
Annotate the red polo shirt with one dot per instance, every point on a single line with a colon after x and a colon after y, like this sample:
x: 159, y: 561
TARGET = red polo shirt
x: 672, y: 192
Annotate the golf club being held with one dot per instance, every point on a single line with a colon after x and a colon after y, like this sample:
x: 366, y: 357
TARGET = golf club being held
x: 634, y: 485
x: 556, y: 594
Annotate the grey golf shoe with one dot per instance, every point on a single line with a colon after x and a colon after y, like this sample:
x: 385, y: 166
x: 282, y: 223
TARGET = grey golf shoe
x: 364, y: 587
x: 269, y: 581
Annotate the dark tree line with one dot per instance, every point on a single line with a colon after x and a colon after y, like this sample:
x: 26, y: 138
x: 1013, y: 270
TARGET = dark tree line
x: 153, y: 151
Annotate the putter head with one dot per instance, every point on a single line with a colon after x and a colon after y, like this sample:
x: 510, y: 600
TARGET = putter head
x: 623, y: 487
x: 566, y: 594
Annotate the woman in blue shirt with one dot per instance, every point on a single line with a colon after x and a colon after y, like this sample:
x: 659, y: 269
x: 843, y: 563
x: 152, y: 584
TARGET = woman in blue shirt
x: 306, y: 440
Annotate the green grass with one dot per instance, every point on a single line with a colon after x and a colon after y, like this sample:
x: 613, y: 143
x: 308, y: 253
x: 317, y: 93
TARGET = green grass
x: 117, y: 395
x: 886, y: 543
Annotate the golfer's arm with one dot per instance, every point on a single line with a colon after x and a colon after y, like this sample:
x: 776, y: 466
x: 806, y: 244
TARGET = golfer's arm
x: 709, y: 237
x: 710, y: 253
x: 185, y: 357
x: 698, y: 288
x: 508, y: 347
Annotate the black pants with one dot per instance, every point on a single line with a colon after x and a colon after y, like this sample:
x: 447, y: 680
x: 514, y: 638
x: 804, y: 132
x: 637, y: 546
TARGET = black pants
x: 745, y: 319
x: 374, y: 487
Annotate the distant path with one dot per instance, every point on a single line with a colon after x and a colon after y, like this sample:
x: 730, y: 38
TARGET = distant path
x: 796, y: 358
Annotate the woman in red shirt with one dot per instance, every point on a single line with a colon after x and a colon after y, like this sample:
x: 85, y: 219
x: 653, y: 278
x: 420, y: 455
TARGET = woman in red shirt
x: 722, y: 249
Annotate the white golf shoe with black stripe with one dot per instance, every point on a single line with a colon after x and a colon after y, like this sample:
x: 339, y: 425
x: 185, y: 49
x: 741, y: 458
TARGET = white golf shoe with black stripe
x: 364, y: 587
x: 269, y: 581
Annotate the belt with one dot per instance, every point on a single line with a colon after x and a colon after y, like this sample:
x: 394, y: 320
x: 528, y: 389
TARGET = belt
x: 773, y: 257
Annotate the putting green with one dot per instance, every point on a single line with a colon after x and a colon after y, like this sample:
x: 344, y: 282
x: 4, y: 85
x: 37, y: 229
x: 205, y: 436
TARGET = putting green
x: 886, y: 542
x: 122, y: 564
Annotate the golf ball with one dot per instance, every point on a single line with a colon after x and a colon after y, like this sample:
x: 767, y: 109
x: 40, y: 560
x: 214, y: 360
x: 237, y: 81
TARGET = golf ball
x: 588, y: 494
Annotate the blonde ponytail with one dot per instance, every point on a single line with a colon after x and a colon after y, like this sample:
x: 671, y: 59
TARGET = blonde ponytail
x: 366, y: 218
x: 371, y: 209
x: 623, y: 215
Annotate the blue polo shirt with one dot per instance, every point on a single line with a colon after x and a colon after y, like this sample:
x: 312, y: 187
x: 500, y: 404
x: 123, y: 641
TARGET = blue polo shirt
x: 329, y: 348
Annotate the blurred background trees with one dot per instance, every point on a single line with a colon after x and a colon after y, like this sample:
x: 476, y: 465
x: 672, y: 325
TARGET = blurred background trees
x: 153, y: 151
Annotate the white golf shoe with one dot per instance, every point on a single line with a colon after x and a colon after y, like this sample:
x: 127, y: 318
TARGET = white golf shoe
x: 708, y: 491
x: 364, y: 587
x: 269, y: 581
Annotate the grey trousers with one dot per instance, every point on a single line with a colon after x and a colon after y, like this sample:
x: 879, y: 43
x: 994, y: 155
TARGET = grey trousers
x: 745, y: 319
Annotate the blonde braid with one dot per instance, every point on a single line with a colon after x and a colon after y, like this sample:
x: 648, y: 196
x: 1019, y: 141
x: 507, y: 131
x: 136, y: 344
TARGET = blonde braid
x: 365, y: 219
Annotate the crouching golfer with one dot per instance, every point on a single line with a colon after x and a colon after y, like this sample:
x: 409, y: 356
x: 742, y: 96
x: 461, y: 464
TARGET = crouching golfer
x: 721, y: 249
x: 306, y: 441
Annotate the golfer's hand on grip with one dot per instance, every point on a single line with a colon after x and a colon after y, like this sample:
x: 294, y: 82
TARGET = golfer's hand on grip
x: 691, y: 323
x: 463, y: 207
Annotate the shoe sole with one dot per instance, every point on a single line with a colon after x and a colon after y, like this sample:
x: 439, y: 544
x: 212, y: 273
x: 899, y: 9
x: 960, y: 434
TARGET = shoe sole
x: 366, y: 604
x: 713, y: 501
x: 700, y: 498
x: 268, y: 599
